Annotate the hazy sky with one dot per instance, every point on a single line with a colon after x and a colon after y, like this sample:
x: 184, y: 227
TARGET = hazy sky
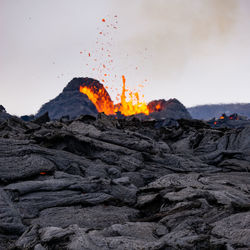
x: 197, y: 51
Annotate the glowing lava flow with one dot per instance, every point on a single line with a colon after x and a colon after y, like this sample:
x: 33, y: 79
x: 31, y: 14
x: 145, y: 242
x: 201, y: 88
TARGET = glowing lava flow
x: 99, y: 98
x: 133, y: 106
x: 103, y: 104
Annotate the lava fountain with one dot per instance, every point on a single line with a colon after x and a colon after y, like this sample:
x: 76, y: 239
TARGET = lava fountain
x: 127, y: 106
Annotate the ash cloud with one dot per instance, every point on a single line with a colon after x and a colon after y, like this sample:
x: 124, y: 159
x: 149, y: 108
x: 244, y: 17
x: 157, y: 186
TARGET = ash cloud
x: 174, y: 31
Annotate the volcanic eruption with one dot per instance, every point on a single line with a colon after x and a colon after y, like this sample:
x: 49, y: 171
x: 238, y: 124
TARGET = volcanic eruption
x: 87, y: 96
x: 101, y: 99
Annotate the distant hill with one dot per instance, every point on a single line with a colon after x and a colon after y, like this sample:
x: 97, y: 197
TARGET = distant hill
x: 206, y: 112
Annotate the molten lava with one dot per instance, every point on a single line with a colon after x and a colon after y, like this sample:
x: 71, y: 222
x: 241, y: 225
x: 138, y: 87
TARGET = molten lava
x: 133, y: 106
x: 99, y: 98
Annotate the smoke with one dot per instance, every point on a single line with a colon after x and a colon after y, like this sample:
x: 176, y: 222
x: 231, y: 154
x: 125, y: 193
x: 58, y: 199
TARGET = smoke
x: 173, y: 31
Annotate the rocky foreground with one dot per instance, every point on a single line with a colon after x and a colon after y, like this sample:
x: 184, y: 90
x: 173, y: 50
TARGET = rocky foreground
x: 107, y: 184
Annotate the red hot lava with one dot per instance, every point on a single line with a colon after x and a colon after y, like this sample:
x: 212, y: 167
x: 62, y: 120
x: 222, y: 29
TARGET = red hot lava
x: 127, y: 106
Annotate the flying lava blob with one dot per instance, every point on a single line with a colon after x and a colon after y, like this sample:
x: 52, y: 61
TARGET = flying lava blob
x: 101, y: 64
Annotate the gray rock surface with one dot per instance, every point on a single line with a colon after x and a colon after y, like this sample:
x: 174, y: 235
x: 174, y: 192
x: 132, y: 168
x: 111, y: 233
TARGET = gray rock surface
x: 3, y: 114
x: 71, y: 102
x: 107, y: 183
x: 170, y: 109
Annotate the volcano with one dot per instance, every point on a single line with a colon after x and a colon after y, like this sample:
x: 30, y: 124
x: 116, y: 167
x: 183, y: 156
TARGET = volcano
x: 87, y: 96
x: 71, y: 102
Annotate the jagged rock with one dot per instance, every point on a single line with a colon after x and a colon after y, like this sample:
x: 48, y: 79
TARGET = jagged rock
x: 2, y: 109
x: 10, y: 216
x: 3, y: 114
x: 191, y: 123
x: 28, y: 239
x: 168, y: 122
x: 98, y: 217
x: 140, y: 230
x: 234, y: 229
x: 27, y: 118
x: 42, y: 119
x: 107, y: 183
x: 39, y: 247
x: 171, y: 109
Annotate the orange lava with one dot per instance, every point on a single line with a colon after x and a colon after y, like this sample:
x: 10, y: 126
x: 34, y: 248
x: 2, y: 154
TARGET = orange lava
x: 101, y: 100
x: 133, y: 106
x: 158, y: 106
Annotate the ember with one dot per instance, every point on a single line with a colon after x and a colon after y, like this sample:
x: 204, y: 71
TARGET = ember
x: 158, y: 107
x: 129, y: 101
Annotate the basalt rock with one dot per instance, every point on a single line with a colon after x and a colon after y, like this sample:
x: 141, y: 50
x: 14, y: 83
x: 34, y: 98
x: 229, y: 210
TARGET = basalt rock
x: 106, y: 183
x: 71, y: 102
x: 3, y: 114
x: 171, y: 109
x: 2, y: 109
x: 42, y: 119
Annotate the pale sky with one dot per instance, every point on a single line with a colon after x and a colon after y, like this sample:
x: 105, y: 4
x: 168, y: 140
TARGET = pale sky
x: 197, y: 51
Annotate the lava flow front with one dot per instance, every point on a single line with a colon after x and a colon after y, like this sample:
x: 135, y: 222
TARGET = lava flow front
x: 103, y: 103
